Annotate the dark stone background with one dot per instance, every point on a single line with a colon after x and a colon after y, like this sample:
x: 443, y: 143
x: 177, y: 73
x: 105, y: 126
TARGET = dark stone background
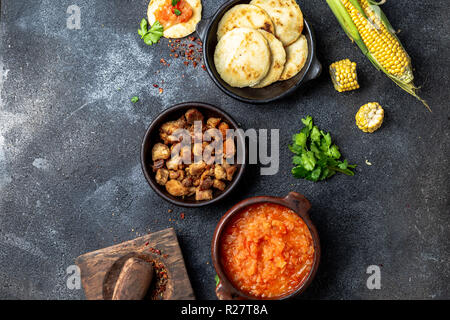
x: 70, y: 177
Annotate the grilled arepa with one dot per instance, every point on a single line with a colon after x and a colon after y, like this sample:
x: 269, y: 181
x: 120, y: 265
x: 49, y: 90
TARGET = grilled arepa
x: 244, y: 16
x: 242, y: 57
x: 296, y: 55
x: 286, y: 16
x: 278, y: 59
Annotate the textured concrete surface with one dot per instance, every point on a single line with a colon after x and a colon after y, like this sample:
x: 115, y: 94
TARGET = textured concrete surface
x: 71, y: 182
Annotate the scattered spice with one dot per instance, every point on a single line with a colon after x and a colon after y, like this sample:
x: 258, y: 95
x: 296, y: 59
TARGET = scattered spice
x: 159, y: 285
x: 191, y: 49
x: 153, y: 250
x: 182, y: 215
x: 170, y: 211
x: 161, y: 90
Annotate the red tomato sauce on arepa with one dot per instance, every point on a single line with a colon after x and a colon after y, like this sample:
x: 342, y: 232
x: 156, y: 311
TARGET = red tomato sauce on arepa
x: 266, y: 250
x: 166, y: 13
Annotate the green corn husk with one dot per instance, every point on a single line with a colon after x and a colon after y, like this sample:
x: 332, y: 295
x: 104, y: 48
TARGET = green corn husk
x: 345, y: 20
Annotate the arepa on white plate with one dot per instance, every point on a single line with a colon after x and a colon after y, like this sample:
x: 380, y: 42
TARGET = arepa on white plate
x: 242, y: 57
x: 296, y: 55
x: 244, y: 16
x: 286, y: 16
x: 278, y: 59
x: 178, y: 30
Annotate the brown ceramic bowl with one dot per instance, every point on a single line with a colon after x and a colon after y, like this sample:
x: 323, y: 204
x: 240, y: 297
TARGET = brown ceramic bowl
x: 295, y: 201
x: 152, y: 136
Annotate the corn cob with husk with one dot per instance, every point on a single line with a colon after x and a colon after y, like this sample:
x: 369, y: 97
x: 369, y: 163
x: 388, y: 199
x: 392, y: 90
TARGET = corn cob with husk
x: 365, y: 23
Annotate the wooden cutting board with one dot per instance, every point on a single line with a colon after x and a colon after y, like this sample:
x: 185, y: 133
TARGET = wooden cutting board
x: 100, y: 269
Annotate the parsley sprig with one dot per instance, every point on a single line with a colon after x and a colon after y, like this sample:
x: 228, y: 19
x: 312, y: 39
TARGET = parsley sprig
x: 316, y: 157
x: 153, y: 35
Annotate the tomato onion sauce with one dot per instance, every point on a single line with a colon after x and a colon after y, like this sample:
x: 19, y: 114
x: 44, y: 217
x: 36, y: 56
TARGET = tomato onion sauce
x: 266, y: 250
x: 165, y: 14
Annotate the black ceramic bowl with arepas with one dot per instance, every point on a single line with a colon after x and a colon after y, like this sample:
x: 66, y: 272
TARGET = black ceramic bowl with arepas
x: 207, y: 31
x: 152, y: 137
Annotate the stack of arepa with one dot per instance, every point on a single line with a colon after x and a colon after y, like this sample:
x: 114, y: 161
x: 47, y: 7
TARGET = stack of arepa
x: 260, y: 43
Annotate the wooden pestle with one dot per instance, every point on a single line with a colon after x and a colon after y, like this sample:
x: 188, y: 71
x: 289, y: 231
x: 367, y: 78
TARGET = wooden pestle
x: 134, y: 280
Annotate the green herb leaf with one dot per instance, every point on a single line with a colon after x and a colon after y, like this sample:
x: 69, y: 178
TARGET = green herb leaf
x: 300, y: 139
x: 175, y: 2
x: 334, y: 152
x: 144, y: 25
x: 153, y: 35
x: 216, y: 278
x: 316, y: 157
x: 296, y: 160
x: 299, y: 172
x: 316, y: 174
x: 343, y: 165
x: 135, y: 99
x: 295, y: 148
x: 308, y: 122
x: 308, y: 160
x: 315, y: 134
x: 177, y: 12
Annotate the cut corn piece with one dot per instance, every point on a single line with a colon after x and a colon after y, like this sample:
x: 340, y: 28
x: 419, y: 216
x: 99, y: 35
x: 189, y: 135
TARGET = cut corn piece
x: 343, y: 74
x: 370, y: 117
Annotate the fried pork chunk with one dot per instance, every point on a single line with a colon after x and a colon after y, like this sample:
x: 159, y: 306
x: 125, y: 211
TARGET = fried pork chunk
x: 172, y: 158
x: 176, y: 188
x: 160, y: 152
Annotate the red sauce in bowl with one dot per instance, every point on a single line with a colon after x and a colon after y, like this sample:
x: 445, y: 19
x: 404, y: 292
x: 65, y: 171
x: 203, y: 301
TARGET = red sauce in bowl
x: 166, y: 13
x: 266, y: 250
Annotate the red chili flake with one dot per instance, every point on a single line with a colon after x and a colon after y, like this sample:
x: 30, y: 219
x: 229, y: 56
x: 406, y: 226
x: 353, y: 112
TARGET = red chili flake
x: 146, y: 243
x: 192, y: 38
x: 182, y: 215
x: 162, y: 60
x: 195, y: 64
x: 176, y: 55
x: 155, y: 85
x: 170, y: 211
x: 161, y: 90
x: 190, y: 45
x: 186, y: 63
x: 203, y: 67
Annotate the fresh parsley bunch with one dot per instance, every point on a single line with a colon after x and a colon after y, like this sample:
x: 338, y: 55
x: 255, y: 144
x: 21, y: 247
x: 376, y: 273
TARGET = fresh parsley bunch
x: 153, y: 35
x: 316, y: 158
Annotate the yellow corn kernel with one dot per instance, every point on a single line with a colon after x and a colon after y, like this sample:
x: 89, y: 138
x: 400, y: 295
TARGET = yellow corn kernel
x: 369, y: 117
x: 343, y: 74
x: 383, y: 45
